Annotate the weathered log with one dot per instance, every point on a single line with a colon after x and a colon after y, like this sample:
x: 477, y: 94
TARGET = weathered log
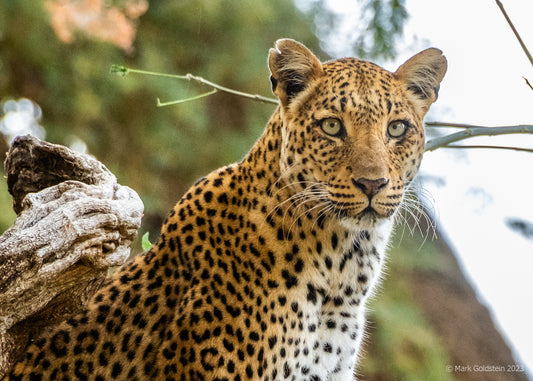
x: 74, y: 223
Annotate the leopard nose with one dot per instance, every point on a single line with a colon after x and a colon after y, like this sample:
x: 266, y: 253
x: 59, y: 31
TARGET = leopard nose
x: 370, y: 187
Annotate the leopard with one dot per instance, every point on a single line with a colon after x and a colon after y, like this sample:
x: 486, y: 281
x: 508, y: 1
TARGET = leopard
x: 263, y: 269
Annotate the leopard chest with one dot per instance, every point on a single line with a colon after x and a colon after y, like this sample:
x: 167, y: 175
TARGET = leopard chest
x: 317, y: 328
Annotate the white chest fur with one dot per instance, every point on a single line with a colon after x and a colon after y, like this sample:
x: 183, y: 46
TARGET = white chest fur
x: 324, y: 325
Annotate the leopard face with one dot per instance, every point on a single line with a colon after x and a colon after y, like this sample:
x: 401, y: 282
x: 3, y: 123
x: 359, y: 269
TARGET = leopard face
x: 353, y: 133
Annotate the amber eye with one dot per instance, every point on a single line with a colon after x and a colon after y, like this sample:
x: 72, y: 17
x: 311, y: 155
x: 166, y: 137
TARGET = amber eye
x: 397, y: 129
x: 332, y: 127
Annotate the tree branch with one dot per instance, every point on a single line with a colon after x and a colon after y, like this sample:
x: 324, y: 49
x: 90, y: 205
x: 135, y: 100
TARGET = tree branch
x: 490, y: 147
x: 522, y: 44
x: 123, y: 71
x: 468, y: 130
x: 473, y: 131
x: 74, y: 222
x: 450, y: 125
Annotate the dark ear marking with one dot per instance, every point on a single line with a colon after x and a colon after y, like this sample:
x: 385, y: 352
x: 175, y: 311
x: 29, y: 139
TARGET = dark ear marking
x: 424, y: 83
x: 293, y: 67
x: 422, y: 75
x: 293, y: 88
x: 274, y: 83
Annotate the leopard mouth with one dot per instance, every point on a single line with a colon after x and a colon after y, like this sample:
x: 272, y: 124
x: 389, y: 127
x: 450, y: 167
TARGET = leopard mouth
x: 368, y: 214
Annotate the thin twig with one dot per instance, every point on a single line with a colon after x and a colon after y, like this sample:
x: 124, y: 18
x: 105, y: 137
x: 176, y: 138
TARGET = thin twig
x: 162, y: 104
x: 524, y: 47
x: 528, y: 83
x: 490, y: 147
x: 470, y: 132
x: 123, y: 71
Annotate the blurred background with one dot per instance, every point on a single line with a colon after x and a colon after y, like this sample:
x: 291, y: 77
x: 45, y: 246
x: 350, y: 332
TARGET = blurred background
x: 429, y: 320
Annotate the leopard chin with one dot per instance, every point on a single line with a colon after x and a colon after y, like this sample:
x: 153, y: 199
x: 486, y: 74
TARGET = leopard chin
x: 369, y: 218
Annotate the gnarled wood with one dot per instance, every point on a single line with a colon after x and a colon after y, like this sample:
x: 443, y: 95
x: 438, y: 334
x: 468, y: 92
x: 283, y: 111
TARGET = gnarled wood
x: 74, y: 222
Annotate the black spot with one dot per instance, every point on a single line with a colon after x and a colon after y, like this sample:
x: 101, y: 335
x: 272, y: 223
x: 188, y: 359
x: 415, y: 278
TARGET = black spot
x: 184, y: 335
x: 231, y: 366
x: 249, y: 371
x: 334, y: 241
x: 290, y: 280
x: 286, y: 370
x: 239, y: 335
x: 208, y: 196
x: 217, y: 313
x: 117, y: 369
x: 328, y: 262
x: 294, y: 306
x: 311, y: 293
x: 134, y: 301
x: 223, y: 198
x: 298, y: 267
x: 250, y: 350
x: 254, y: 336
x: 228, y: 345
x: 234, y: 311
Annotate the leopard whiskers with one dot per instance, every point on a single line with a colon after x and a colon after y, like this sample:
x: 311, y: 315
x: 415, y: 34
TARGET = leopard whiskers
x: 321, y: 209
x: 283, y: 185
x: 285, y: 177
x: 311, y: 194
x: 413, y: 215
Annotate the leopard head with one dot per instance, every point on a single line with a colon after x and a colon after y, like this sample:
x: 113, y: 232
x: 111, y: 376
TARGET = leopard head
x: 352, y: 132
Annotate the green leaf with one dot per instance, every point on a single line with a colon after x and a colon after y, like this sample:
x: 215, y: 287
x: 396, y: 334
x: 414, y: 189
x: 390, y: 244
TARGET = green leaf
x: 145, y: 243
x: 119, y: 70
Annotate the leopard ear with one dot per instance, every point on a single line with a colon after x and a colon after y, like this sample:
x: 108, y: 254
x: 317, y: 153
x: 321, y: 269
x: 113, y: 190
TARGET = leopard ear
x: 422, y: 75
x: 292, y: 68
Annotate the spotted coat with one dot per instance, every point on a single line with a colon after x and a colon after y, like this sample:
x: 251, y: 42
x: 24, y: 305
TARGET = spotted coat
x: 263, y: 268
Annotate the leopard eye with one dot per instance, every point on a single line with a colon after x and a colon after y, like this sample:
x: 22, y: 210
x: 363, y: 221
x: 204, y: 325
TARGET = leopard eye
x: 332, y: 127
x: 397, y: 129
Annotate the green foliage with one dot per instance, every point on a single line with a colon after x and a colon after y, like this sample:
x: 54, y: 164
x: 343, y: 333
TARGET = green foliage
x: 7, y: 216
x: 373, y: 35
x: 145, y: 241
x: 385, y: 19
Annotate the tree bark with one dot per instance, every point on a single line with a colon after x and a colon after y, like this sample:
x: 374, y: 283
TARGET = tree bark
x: 74, y: 222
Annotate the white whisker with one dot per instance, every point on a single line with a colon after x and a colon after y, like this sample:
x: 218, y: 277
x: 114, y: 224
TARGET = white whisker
x: 413, y: 215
